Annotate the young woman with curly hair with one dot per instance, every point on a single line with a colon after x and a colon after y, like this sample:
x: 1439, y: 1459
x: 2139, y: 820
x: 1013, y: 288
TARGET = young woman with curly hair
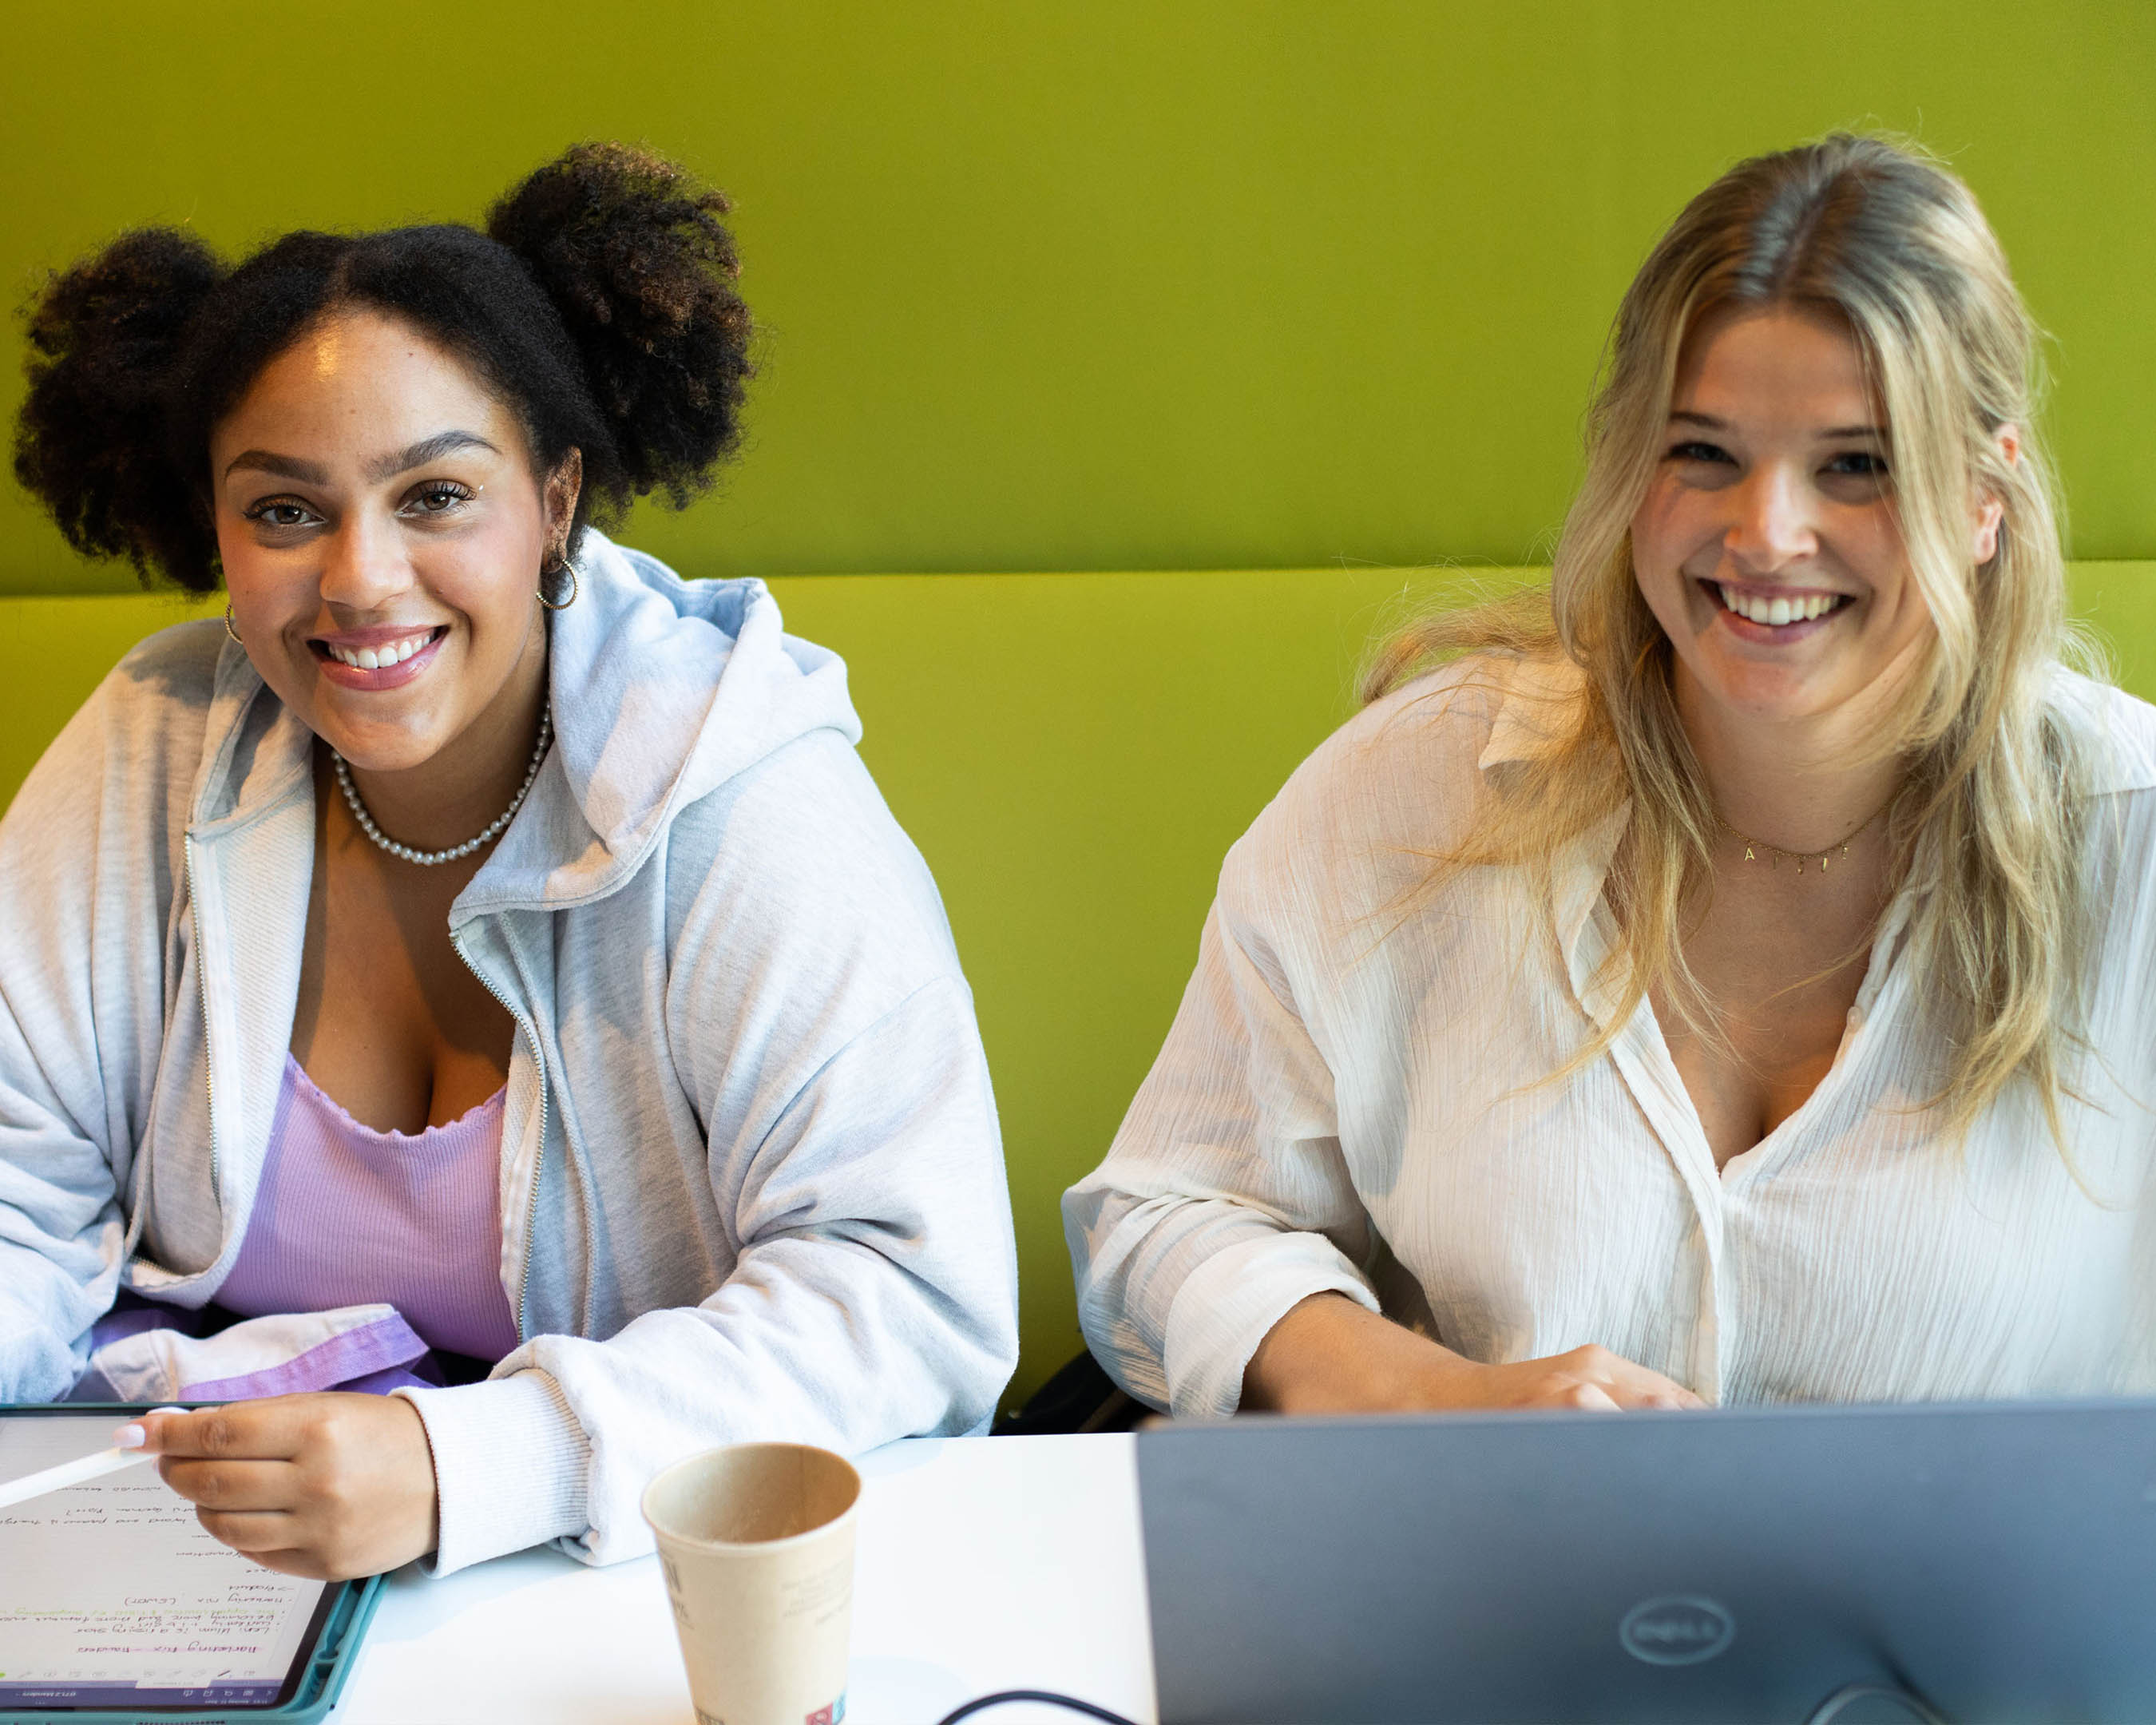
x: 480, y: 966
x: 1729, y: 976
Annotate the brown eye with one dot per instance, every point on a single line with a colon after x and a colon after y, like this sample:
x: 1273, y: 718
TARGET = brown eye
x: 439, y: 498
x: 280, y: 513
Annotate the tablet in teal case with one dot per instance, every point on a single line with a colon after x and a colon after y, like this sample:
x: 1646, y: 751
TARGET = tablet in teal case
x: 312, y: 1684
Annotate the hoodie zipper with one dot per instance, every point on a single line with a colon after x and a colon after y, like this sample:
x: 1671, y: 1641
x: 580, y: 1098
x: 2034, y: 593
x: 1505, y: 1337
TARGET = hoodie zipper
x: 201, y: 985
x: 539, y: 1162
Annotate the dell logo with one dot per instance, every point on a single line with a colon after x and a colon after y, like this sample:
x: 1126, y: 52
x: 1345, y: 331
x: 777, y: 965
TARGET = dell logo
x: 1677, y: 1630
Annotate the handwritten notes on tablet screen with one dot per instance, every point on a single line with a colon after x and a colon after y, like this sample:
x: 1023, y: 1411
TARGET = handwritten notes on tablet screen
x: 112, y: 1594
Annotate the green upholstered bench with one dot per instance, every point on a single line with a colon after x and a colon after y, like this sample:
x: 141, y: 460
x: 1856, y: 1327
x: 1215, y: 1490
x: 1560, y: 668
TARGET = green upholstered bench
x: 1073, y: 753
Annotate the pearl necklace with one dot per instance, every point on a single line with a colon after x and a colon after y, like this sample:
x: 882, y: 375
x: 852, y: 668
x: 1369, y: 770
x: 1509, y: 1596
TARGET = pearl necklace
x: 427, y: 858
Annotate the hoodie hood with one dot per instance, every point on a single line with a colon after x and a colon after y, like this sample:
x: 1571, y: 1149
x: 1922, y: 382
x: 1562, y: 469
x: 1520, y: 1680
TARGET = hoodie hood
x: 661, y: 690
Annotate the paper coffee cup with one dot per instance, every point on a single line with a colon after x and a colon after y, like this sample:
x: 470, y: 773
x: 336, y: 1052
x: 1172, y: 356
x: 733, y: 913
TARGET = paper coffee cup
x: 758, y: 1543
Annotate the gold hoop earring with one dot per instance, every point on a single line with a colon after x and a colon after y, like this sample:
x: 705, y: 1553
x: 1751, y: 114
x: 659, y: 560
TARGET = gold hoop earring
x: 229, y: 629
x: 559, y: 605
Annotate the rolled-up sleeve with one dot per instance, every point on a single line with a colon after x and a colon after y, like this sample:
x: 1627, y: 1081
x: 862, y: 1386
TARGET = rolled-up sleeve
x: 1225, y: 1200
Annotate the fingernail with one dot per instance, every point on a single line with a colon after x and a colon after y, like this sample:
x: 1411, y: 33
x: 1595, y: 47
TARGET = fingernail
x: 130, y: 1437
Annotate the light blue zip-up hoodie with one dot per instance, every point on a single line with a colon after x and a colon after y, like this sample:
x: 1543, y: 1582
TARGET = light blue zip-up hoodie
x: 750, y: 1180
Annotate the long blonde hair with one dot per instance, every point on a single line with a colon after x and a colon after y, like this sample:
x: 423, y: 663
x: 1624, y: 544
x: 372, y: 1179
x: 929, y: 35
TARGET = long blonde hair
x: 1988, y: 824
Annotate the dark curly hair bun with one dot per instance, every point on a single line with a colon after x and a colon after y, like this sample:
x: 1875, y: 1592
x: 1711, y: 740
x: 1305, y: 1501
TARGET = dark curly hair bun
x: 599, y: 305
x: 631, y: 250
x: 89, y: 442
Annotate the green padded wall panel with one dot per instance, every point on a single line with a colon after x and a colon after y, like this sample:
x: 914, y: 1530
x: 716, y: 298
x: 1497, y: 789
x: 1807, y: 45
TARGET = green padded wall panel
x: 1073, y: 753
x: 1124, y: 284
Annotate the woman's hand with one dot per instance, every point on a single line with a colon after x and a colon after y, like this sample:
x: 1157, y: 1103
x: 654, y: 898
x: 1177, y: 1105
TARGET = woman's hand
x: 1330, y: 1355
x: 331, y: 1486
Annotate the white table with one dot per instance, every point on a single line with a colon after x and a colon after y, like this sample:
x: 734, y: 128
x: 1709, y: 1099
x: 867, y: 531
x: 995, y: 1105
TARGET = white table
x: 983, y: 1563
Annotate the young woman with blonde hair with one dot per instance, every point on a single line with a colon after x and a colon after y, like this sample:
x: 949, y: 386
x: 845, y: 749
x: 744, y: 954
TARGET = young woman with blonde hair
x: 1731, y: 976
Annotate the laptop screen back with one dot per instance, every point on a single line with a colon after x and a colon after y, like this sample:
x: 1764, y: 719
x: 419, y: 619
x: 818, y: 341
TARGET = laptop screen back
x: 1999, y: 1561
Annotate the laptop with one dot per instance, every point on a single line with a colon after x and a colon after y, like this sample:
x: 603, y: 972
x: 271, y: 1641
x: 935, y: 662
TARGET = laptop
x: 1991, y: 1562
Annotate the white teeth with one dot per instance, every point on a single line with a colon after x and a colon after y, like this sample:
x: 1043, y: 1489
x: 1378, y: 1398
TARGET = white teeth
x: 375, y: 657
x: 1777, y: 613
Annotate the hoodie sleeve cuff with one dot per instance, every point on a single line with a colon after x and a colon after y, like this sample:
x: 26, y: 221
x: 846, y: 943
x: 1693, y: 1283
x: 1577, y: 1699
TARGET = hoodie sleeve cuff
x: 1227, y: 1304
x: 510, y: 1466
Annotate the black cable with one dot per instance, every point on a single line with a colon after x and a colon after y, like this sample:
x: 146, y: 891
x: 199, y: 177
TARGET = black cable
x: 981, y: 1704
x: 1828, y: 1710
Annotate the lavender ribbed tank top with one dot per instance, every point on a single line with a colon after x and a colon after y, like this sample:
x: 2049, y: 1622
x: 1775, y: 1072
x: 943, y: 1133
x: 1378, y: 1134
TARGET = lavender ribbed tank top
x: 346, y: 1215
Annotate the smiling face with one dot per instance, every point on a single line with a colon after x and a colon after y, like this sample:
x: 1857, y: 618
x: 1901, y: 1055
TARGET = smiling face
x: 1767, y: 545
x: 381, y: 531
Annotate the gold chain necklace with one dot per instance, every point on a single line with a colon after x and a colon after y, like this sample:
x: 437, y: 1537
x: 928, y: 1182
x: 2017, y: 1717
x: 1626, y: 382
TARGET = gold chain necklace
x: 1753, y: 846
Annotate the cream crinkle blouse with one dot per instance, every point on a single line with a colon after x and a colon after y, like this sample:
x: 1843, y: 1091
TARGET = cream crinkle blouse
x: 1349, y: 1100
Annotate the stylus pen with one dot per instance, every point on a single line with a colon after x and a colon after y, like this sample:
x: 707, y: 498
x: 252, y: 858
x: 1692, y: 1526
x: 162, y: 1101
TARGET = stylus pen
x: 70, y: 1473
